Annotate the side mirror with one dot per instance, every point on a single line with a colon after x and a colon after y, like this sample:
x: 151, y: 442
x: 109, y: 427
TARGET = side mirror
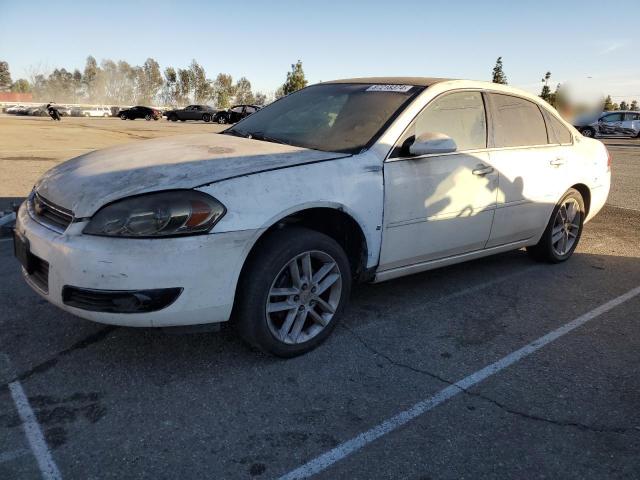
x: 432, y: 142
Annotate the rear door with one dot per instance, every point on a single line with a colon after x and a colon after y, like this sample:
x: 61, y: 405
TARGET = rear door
x: 631, y: 124
x: 530, y: 165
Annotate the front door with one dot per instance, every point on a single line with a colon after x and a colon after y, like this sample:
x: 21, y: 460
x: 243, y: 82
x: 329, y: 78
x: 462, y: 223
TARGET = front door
x: 438, y: 206
x: 611, y: 124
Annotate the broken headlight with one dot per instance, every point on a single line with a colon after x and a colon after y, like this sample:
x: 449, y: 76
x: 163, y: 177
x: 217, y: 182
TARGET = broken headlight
x: 159, y: 214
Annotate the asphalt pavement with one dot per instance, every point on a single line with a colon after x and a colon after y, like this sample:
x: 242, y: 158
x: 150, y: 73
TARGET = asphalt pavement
x: 498, y: 368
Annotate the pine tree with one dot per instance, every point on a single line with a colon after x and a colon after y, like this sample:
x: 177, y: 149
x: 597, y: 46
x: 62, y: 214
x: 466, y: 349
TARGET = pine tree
x: 546, y: 91
x: 5, y: 77
x: 295, y: 79
x: 498, y: 74
x: 634, y: 105
x: 623, y: 105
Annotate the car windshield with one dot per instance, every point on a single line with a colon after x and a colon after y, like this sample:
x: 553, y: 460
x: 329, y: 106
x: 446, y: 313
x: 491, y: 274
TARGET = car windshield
x: 338, y: 117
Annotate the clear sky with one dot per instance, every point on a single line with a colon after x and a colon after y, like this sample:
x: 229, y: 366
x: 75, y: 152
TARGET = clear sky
x: 579, y: 41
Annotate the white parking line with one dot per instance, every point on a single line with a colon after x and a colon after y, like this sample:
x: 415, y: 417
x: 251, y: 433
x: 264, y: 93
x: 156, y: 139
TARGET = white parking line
x: 345, y: 449
x: 48, y: 467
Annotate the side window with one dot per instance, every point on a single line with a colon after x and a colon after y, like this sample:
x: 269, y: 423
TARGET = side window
x: 237, y: 109
x: 459, y: 115
x: 250, y: 110
x: 558, y: 133
x: 517, y: 122
x: 613, y: 117
x: 632, y: 116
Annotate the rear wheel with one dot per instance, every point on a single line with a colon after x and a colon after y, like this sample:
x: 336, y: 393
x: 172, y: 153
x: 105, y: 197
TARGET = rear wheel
x: 123, y: 116
x: 563, y: 231
x: 148, y: 117
x: 206, y: 117
x: 292, y: 292
x: 222, y: 120
x: 173, y: 117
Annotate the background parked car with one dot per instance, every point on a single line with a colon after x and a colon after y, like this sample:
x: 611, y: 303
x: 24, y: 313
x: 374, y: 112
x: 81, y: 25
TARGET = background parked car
x: 95, y: 112
x: 140, y: 112
x: 40, y: 111
x: 623, y: 123
x: 63, y: 111
x: 192, y: 112
x: 235, y: 113
x: 14, y: 109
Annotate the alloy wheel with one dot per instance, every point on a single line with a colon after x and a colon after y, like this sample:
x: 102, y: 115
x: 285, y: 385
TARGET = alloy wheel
x: 304, y: 297
x: 566, y: 227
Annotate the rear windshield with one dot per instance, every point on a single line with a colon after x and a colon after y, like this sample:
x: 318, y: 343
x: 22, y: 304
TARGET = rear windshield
x: 331, y: 117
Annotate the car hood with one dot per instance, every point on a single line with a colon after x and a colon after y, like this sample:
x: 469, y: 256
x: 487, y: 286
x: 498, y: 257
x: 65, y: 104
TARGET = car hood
x: 86, y: 183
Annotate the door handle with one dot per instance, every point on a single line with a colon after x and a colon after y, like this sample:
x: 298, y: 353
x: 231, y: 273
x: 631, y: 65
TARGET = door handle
x: 556, y: 162
x: 482, y: 170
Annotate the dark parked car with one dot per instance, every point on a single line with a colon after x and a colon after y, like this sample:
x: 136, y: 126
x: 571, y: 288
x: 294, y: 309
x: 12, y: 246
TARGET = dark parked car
x: 140, y: 112
x: 192, y: 112
x: 235, y: 113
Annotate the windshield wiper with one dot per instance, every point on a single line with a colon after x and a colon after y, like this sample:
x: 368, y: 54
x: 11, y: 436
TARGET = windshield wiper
x: 255, y: 136
x: 235, y: 133
x: 265, y: 138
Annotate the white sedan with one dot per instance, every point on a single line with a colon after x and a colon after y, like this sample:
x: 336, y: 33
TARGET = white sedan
x: 270, y: 222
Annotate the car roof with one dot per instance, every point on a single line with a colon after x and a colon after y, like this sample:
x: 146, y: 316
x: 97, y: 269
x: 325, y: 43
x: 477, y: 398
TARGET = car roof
x: 419, y: 81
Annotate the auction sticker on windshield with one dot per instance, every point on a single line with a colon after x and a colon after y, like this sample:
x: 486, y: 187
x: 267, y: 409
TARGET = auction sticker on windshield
x: 389, y: 88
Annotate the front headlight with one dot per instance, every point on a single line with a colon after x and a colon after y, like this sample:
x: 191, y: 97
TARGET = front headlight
x: 160, y: 214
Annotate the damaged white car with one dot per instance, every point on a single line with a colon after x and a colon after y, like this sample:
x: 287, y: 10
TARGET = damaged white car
x: 270, y: 222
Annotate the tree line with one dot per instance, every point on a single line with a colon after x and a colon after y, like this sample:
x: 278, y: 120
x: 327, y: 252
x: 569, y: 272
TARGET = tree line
x: 120, y: 83
x: 556, y: 98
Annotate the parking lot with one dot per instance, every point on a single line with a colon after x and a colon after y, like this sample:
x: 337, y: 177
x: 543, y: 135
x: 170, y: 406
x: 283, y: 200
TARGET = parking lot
x: 401, y: 390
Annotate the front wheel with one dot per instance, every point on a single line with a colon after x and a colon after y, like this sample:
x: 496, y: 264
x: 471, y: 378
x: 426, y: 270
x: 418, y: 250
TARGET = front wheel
x: 148, y: 118
x: 292, y: 292
x: 123, y: 116
x: 206, y: 117
x: 222, y: 120
x: 588, y: 132
x: 563, y: 231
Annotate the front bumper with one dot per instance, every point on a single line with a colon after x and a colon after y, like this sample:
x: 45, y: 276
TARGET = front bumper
x: 206, y: 267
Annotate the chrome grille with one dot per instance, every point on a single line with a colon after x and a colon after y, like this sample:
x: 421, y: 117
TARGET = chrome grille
x: 49, y: 214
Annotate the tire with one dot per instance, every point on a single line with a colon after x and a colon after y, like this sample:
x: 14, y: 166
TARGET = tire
x: 222, y: 120
x: 182, y: 120
x: 588, y: 132
x: 148, y: 118
x: 206, y: 117
x: 123, y: 116
x: 298, y: 326
x: 173, y: 117
x: 548, y: 250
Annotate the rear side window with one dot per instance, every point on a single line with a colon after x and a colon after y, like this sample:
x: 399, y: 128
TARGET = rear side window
x: 517, y: 122
x: 558, y: 133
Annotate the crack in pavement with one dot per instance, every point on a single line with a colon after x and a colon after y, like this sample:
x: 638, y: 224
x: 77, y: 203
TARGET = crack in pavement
x: 51, y: 362
x: 525, y: 415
